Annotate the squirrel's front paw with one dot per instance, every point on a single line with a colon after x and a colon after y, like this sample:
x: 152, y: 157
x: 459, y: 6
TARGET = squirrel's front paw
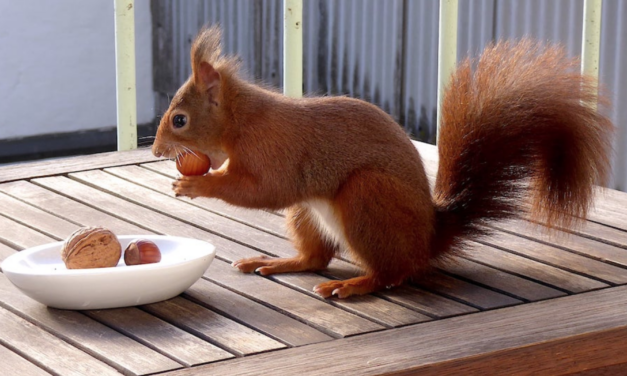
x: 189, y: 186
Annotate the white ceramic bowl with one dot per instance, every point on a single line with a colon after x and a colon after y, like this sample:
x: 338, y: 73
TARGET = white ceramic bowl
x: 40, y: 273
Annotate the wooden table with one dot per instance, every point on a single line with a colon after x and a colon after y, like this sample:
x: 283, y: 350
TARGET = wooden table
x: 521, y: 303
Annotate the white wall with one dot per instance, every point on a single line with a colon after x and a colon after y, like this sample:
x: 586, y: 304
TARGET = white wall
x: 57, y: 66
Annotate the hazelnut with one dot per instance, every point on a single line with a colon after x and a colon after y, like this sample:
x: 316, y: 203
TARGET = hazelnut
x: 142, y: 252
x: 192, y: 163
x: 91, y: 247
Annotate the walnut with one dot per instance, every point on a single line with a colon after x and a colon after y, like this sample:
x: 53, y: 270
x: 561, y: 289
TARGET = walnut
x: 91, y: 247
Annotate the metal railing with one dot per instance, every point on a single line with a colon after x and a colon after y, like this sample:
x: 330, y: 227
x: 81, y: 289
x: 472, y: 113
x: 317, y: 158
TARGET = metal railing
x: 293, y: 55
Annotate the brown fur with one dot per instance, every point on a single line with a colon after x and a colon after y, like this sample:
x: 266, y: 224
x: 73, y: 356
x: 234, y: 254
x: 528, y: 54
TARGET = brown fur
x: 520, y: 116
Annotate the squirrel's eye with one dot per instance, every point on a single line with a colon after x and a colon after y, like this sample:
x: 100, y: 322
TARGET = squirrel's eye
x: 179, y: 121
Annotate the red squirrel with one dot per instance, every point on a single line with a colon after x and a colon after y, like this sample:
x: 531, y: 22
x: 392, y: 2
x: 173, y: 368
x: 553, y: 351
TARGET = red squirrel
x: 520, y: 134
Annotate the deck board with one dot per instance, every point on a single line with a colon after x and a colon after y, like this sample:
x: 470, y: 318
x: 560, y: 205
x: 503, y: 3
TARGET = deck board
x: 163, y: 183
x: 574, y: 243
x: 86, y: 333
x: 56, y: 166
x: 15, y: 365
x: 559, y: 258
x: 517, y: 295
x: 176, y: 343
x: 212, y: 327
x: 69, y: 209
x: 320, y: 315
x: 51, y: 353
x: 255, y: 315
x: 522, y: 266
x: 544, y: 338
x: 44, y: 222
x: 516, y: 286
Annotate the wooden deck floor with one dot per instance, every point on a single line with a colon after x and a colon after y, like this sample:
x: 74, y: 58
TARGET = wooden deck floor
x: 519, y: 303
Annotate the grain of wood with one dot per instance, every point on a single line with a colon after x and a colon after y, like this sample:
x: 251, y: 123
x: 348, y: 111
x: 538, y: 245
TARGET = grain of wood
x: 426, y: 302
x: 609, y: 216
x: 375, y: 309
x: 378, y: 310
x: 58, y: 166
x: 185, y: 212
x: 567, y: 335
x: 603, y: 233
x: 198, y: 217
x: 185, y: 348
x: 46, y: 350
x: 472, y: 294
x: 15, y: 365
x: 578, y: 244
x: 408, y: 296
x: 524, y: 267
x: 558, y: 258
x: 319, y: 314
x: 6, y: 251
x: 213, y: 327
x: 605, y: 370
x: 69, y: 209
x: 44, y: 222
x: 20, y: 236
x: 254, y: 315
x: 498, y: 280
x: 150, y: 179
x: 90, y: 336
x: 475, y: 295
x: 120, y: 208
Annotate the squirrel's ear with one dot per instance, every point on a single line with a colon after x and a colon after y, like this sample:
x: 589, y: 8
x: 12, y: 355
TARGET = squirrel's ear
x: 209, y: 80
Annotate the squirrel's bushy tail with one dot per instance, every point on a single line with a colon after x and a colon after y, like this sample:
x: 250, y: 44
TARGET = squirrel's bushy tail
x: 520, y: 130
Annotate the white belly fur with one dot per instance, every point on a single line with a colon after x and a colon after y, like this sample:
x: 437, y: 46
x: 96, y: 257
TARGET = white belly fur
x: 327, y: 221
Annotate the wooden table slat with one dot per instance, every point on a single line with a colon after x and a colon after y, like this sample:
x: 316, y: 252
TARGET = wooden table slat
x: 185, y: 212
x: 524, y: 267
x: 19, y: 236
x: 49, y: 224
x: 56, y: 166
x: 535, y: 291
x: 157, y: 334
x: 516, y: 286
x: 426, y: 302
x: 319, y: 314
x: 149, y: 178
x: 138, y: 214
x: 69, y: 209
x: 255, y: 315
x: 578, y: 244
x: 192, y: 214
x: 212, y: 327
x: 86, y: 334
x: 412, y: 297
x: 15, y: 365
x: 6, y: 251
x: 375, y: 309
x: 559, y: 258
x: 47, y: 351
x: 603, y: 233
x: 472, y: 294
x: 557, y: 338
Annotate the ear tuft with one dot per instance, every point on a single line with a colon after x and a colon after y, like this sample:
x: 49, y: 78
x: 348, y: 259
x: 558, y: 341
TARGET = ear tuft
x: 207, y: 47
x: 208, y: 80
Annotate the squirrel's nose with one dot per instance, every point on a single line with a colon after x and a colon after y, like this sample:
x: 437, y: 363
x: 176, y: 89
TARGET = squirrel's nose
x: 156, y: 151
